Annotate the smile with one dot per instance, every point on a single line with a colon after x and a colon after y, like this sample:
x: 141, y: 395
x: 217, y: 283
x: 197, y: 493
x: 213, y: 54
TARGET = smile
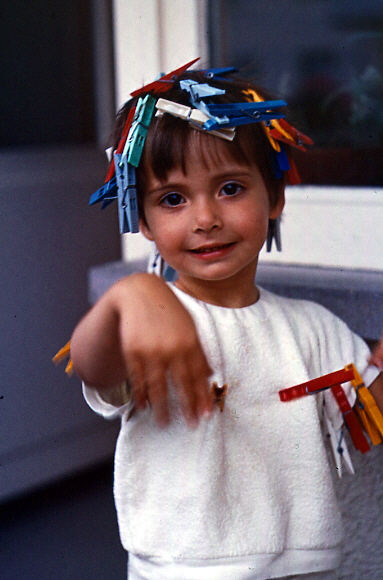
x: 209, y: 249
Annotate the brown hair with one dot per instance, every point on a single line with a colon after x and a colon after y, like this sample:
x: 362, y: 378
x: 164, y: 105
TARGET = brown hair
x: 169, y: 138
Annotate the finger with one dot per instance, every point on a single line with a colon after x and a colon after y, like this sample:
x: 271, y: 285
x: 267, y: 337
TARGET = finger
x: 136, y: 379
x: 200, y: 379
x: 187, y: 396
x: 157, y: 393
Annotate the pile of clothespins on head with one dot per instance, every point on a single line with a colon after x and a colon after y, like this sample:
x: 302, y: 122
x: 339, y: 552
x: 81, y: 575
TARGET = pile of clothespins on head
x: 211, y: 101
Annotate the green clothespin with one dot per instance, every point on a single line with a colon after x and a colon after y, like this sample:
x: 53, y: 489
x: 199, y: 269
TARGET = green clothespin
x: 139, y: 130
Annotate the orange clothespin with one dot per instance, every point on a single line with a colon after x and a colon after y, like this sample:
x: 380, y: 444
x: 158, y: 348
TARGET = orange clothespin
x: 61, y: 355
x: 368, y: 411
x: 219, y: 394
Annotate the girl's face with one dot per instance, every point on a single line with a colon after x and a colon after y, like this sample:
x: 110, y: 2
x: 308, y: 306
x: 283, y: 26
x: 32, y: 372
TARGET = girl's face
x: 210, y: 223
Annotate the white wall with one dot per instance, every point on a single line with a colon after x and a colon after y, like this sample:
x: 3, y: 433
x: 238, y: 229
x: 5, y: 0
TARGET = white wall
x: 331, y: 226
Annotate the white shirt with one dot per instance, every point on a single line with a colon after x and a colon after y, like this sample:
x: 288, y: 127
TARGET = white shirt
x: 248, y: 493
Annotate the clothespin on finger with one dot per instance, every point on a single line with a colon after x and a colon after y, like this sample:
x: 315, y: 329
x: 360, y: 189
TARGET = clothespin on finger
x: 61, y: 355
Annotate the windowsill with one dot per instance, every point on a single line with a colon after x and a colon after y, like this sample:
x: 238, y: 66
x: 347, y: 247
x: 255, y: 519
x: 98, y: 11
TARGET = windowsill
x: 355, y: 296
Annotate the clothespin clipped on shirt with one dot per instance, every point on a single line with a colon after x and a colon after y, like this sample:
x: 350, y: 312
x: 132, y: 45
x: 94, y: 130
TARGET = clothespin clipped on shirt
x: 333, y: 381
x: 127, y: 195
x: 351, y: 420
x: 338, y: 446
x: 316, y: 385
x: 367, y: 409
x: 219, y: 394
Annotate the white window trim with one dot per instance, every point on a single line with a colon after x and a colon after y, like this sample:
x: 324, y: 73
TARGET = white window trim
x: 324, y: 226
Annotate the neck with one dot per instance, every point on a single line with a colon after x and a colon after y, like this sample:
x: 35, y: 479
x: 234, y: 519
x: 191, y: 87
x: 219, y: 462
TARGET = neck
x: 226, y: 293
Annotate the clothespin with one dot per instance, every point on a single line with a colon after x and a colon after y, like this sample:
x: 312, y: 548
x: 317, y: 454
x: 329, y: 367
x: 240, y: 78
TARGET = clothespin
x: 358, y: 438
x: 316, y: 385
x: 138, y: 131
x: 192, y: 88
x: 127, y: 195
x: 106, y: 193
x: 274, y: 233
x: 164, y: 83
x: 367, y: 409
x: 219, y: 394
x: 235, y: 114
x: 338, y: 446
x: 196, y: 117
x: 61, y: 355
x: 198, y: 91
x: 217, y: 73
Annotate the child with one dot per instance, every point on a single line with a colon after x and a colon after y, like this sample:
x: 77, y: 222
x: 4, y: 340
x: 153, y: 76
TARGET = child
x: 215, y: 477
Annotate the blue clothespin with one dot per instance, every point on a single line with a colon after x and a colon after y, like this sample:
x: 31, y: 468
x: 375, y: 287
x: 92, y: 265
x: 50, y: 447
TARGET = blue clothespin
x: 197, y: 94
x: 138, y: 131
x: 127, y: 195
x: 243, y: 113
x: 283, y: 160
x: 217, y: 73
x: 106, y: 193
x: 199, y: 91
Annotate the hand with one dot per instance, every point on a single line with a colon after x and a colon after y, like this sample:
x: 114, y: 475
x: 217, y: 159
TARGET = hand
x: 376, y: 357
x: 140, y: 331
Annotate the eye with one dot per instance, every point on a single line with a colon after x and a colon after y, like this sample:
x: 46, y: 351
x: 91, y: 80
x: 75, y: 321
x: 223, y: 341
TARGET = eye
x: 231, y: 188
x: 172, y: 199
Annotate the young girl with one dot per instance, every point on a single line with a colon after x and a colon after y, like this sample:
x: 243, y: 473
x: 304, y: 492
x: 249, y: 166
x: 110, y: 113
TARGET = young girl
x: 215, y: 477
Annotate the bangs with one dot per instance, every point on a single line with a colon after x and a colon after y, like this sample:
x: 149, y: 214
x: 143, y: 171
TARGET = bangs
x: 171, y: 140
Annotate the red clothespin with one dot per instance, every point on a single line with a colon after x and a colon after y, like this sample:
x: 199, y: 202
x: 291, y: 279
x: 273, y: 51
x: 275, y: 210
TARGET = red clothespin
x: 316, y: 385
x: 359, y: 440
x: 121, y: 143
x: 163, y: 84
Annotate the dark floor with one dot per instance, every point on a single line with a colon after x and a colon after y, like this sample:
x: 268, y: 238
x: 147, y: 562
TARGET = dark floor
x: 67, y: 531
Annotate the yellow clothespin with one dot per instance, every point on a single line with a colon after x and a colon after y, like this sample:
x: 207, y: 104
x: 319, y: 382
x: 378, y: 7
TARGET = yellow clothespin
x: 62, y: 354
x: 256, y: 98
x: 367, y: 408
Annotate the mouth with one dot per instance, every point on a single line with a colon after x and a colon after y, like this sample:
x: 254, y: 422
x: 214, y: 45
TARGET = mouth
x: 208, y: 249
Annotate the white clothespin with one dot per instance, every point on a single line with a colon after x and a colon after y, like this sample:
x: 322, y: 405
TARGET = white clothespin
x: 195, y: 116
x: 338, y: 446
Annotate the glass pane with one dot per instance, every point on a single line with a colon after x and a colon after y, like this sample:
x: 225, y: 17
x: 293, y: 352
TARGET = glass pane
x: 325, y: 58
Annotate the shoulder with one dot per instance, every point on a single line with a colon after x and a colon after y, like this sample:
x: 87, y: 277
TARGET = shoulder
x: 303, y: 311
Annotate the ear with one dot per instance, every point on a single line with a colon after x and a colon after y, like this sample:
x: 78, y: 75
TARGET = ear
x: 144, y: 229
x: 276, y: 211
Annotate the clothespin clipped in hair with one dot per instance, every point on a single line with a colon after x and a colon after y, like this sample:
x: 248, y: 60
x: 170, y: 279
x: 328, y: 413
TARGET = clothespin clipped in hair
x: 127, y: 195
x: 165, y: 82
x: 235, y: 114
x: 138, y: 131
x: 274, y: 233
x: 217, y: 73
x: 195, y: 117
x: 106, y: 193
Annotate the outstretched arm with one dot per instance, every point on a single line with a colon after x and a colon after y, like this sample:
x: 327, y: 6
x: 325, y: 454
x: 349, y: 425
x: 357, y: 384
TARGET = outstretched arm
x: 140, y: 332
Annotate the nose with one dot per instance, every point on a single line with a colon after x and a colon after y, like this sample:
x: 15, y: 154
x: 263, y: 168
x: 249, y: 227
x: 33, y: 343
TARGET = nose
x: 206, y: 216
